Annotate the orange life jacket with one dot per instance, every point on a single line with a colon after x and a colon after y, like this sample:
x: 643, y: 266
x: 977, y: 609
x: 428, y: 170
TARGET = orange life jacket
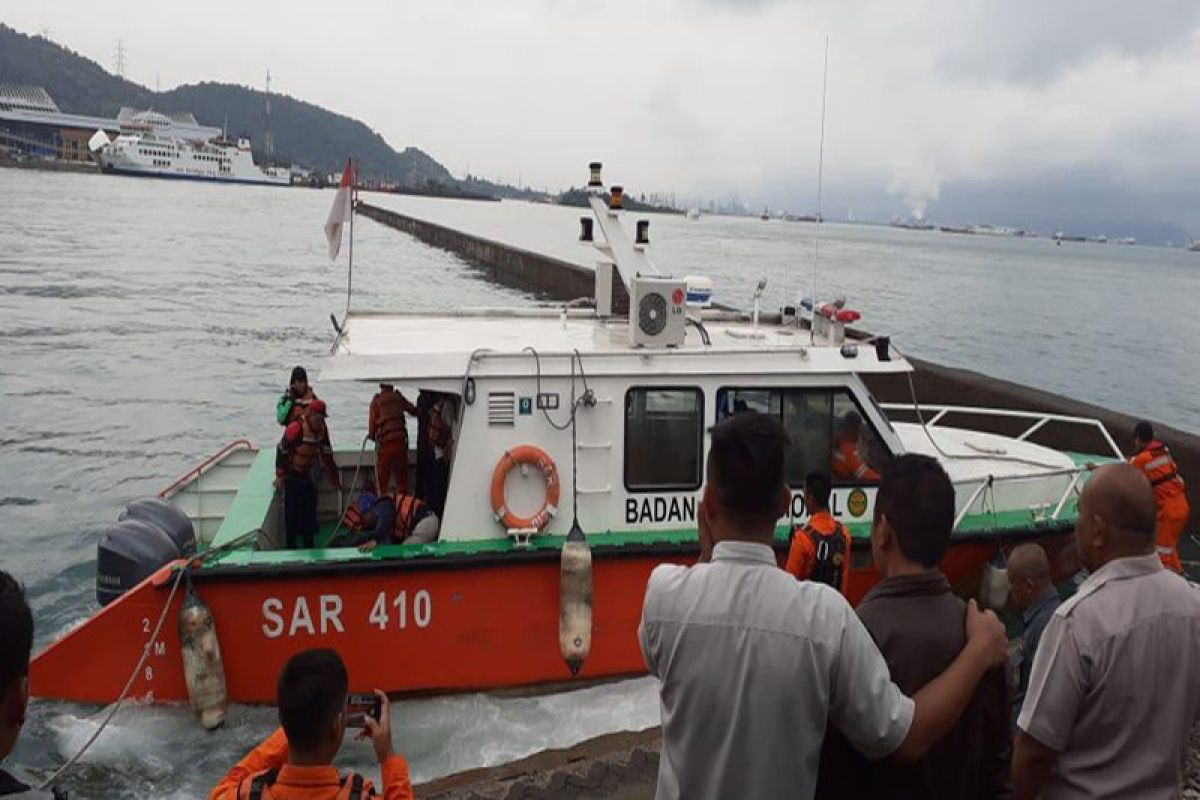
x: 389, y: 426
x: 299, y: 406
x: 258, y: 787
x: 408, y: 510
x: 829, y: 553
x: 305, y: 452
x: 1156, y: 461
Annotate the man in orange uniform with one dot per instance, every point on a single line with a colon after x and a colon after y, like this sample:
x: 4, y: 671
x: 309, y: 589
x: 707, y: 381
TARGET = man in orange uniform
x: 296, y: 761
x: 305, y: 442
x: 1155, y: 460
x: 385, y: 427
x: 847, y: 465
x: 820, y: 547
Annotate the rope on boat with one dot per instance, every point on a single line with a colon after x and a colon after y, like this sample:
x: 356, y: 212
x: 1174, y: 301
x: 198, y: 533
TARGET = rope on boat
x: 179, y: 576
x: 350, y: 494
x: 912, y: 390
x: 128, y: 684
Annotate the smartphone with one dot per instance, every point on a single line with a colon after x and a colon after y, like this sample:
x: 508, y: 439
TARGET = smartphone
x: 361, y: 706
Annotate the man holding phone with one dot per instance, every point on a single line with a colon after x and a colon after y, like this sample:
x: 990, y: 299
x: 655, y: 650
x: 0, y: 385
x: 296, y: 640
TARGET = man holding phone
x: 296, y: 761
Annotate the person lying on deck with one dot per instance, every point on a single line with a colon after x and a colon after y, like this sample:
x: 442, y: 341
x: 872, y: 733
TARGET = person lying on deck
x: 373, y: 520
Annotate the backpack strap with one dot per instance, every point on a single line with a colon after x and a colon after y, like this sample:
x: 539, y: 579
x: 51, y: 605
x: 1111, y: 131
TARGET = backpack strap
x: 352, y: 787
x: 259, y: 783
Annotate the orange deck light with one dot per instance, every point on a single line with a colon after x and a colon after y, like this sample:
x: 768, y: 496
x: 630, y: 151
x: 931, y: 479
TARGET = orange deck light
x: 614, y: 202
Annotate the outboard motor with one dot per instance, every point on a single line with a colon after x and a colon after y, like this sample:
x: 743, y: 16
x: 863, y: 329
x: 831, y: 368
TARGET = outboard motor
x: 151, y: 532
x: 165, y: 515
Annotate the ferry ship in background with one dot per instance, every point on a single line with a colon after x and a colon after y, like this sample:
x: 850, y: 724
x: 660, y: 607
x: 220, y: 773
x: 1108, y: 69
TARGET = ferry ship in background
x: 148, y: 146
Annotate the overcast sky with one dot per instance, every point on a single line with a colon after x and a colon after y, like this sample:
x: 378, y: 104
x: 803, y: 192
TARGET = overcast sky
x: 962, y: 107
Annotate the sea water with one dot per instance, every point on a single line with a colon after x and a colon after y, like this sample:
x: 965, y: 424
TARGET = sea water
x: 144, y: 323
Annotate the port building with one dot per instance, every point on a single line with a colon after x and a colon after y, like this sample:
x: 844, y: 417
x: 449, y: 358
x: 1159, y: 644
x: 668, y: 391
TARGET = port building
x: 32, y: 125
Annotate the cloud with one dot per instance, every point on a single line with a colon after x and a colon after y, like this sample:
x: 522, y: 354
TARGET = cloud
x: 711, y: 97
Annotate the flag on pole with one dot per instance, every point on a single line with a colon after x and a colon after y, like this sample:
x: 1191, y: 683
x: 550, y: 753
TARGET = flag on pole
x: 340, y: 212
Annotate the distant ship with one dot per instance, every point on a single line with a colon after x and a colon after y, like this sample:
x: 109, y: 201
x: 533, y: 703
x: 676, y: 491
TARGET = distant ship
x: 693, y: 213
x: 1124, y: 240
x: 766, y: 215
x: 146, y: 148
x: 1193, y: 245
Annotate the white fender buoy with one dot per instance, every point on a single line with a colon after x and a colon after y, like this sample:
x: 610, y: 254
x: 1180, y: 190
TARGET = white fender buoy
x: 575, y: 600
x: 202, y: 666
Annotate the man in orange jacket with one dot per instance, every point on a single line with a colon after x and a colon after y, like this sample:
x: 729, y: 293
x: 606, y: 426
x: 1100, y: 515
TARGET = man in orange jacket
x: 296, y: 761
x: 820, y: 547
x: 847, y: 464
x: 386, y: 427
x: 1159, y: 467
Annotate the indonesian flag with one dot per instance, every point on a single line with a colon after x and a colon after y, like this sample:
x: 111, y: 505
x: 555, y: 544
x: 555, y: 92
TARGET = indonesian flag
x: 340, y: 213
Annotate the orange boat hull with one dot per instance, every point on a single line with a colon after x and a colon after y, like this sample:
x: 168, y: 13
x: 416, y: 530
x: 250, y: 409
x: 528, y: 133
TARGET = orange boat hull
x: 425, y: 625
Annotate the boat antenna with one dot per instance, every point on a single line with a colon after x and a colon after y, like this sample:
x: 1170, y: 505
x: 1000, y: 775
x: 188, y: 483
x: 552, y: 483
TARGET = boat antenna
x: 812, y: 328
x: 353, y: 209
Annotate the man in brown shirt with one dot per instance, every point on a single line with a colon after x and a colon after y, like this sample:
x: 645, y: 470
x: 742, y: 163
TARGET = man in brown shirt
x: 1114, y: 692
x: 918, y: 624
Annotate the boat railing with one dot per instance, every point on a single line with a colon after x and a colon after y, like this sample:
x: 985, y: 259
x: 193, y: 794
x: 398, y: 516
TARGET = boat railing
x: 1039, y: 419
x: 988, y: 482
x: 205, y: 465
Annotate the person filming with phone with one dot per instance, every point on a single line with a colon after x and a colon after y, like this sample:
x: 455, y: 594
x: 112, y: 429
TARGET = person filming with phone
x: 296, y: 761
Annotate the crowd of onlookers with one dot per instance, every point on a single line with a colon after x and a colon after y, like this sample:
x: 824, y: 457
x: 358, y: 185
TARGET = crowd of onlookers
x: 776, y: 687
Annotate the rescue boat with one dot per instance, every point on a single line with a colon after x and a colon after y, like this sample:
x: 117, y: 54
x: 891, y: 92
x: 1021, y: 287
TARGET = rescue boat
x: 576, y: 457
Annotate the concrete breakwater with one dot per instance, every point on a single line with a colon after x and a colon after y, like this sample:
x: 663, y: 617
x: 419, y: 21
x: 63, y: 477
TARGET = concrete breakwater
x: 551, y: 278
x: 934, y: 384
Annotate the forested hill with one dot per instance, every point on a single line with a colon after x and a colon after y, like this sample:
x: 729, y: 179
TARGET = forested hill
x: 304, y: 133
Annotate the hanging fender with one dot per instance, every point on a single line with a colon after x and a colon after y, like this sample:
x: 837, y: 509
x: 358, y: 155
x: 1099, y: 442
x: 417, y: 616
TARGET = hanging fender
x: 523, y: 456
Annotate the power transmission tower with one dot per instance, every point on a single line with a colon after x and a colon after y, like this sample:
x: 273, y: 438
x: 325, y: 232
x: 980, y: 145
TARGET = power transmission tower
x: 119, y: 58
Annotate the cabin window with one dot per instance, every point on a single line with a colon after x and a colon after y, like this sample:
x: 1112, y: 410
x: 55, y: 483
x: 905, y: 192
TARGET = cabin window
x: 830, y: 433
x: 664, y: 438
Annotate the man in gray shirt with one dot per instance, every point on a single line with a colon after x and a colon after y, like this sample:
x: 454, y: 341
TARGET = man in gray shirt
x: 1035, y: 597
x: 1114, y: 693
x: 754, y: 663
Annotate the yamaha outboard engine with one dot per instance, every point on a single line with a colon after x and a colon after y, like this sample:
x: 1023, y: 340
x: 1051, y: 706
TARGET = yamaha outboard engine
x: 165, y: 515
x: 151, y: 532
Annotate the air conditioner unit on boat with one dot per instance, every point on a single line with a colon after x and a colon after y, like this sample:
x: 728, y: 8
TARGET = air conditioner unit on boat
x: 657, y: 312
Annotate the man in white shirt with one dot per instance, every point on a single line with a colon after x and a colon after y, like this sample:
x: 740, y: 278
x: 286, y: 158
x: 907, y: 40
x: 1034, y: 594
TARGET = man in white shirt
x: 753, y: 663
x: 1113, y: 695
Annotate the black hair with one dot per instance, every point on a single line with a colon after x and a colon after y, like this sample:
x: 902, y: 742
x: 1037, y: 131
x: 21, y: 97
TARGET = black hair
x: 1144, y: 431
x: 745, y: 463
x: 917, y: 497
x: 310, y: 693
x: 299, y: 374
x: 819, y: 485
x: 16, y: 631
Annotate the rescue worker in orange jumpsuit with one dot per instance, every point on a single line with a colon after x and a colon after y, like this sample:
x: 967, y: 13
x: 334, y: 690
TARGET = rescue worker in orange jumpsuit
x: 847, y: 465
x: 296, y: 761
x: 305, y: 443
x: 295, y: 399
x: 1156, y: 462
x: 404, y: 519
x: 385, y: 427
x: 820, y: 548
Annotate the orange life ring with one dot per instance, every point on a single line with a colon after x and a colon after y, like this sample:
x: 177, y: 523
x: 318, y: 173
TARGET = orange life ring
x: 518, y: 456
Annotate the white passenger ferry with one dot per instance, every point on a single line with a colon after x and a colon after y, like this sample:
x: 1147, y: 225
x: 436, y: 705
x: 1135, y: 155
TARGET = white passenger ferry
x: 146, y: 148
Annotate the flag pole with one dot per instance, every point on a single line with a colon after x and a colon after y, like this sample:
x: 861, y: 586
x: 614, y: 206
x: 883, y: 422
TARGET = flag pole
x: 353, y: 200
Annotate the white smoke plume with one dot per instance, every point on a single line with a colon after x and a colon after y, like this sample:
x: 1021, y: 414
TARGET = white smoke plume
x: 919, y: 182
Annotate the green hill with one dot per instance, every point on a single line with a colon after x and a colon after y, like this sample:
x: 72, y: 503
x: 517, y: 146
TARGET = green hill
x: 305, y: 134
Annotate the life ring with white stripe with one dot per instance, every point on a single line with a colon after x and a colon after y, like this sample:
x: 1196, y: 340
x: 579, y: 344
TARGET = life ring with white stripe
x: 523, y: 456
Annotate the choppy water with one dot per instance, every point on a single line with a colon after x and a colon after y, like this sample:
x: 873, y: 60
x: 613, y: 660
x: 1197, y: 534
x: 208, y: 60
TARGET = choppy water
x: 143, y: 323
